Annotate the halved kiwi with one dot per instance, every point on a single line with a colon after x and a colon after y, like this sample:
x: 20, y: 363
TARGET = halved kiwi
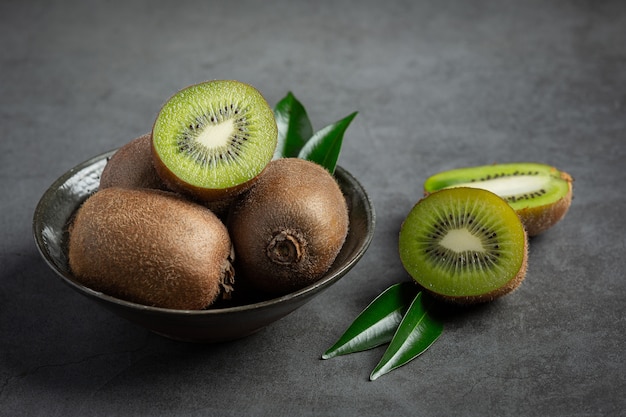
x: 212, y: 139
x: 465, y: 245
x: 540, y: 193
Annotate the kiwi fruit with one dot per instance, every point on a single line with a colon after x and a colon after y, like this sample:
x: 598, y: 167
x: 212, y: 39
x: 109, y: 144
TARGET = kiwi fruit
x: 289, y: 227
x: 212, y: 139
x: 150, y: 247
x: 540, y: 193
x: 464, y: 245
x: 131, y: 166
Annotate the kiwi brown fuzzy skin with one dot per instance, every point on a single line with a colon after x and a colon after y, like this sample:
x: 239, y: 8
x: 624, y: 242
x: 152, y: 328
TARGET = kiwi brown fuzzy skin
x: 289, y: 228
x: 150, y: 247
x: 131, y: 166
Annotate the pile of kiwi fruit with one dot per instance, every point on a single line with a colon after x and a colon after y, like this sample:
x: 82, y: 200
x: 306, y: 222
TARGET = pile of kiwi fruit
x: 466, y: 240
x: 199, y: 208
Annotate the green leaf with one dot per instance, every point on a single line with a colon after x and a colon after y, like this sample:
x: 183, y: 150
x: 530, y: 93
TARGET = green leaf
x: 416, y: 333
x: 294, y: 126
x: 377, y: 323
x: 324, y: 146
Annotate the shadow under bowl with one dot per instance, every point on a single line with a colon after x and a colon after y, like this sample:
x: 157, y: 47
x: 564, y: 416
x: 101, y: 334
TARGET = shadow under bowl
x: 225, y: 322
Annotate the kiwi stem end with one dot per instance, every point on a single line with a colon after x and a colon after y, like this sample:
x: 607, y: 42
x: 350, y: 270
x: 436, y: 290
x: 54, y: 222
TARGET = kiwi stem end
x: 285, y: 248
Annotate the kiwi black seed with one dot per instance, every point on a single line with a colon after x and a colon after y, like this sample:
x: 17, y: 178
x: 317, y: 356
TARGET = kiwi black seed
x: 289, y: 227
x: 212, y: 139
x: 540, y: 193
x: 131, y: 166
x: 464, y: 245
x: 151, y: 247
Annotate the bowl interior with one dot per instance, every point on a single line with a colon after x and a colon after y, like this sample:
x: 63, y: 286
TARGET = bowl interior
x: 242, y: 316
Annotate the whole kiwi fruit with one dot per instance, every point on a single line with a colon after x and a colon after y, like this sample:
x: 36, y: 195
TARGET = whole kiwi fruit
x: 131, y: 166
x: 464, y: 245
x: 150, y: 247
x: 289, y: 227
x: 212, y: 139
x: 540, y: 194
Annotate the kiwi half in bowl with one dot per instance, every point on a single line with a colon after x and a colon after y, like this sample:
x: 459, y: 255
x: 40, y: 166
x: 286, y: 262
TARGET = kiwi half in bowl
x: 464, y: 245
x: 212, y: 139
x: 539, y: 193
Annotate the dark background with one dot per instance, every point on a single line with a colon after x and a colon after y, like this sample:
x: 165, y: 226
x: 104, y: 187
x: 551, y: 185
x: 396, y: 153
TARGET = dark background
x: 438, y: 85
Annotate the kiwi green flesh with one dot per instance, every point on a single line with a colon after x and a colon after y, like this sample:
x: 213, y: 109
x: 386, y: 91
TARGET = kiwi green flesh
x: 464, y: 244
x: 522, y: 185
x: 216, y: 135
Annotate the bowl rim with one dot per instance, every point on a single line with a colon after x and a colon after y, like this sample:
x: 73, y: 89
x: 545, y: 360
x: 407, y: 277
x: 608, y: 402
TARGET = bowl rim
x: 313, y: 288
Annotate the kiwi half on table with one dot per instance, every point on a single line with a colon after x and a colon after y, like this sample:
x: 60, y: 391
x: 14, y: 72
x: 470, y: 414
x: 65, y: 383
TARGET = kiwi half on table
x: 465, y: 245
x: 540, y: 193
x: 212, y: 139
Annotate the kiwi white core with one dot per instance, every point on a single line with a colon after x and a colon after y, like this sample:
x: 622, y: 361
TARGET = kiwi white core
x: 461, y: 240
x: 510, y: 186
x: 217, y: 135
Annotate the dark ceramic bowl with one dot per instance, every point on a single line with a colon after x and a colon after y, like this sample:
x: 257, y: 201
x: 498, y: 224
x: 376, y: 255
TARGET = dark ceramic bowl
x: 240, y: 317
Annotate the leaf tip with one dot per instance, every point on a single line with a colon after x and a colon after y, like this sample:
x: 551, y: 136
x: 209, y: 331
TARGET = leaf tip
x: 374, y: 375
x: 330, y: 353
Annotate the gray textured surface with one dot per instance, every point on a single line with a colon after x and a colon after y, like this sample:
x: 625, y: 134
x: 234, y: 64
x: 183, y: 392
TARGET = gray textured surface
x: 437, y: 85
